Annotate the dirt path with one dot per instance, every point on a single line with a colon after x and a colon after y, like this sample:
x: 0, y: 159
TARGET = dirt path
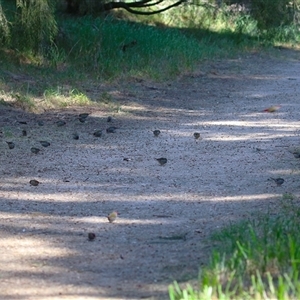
x: 166, y: 212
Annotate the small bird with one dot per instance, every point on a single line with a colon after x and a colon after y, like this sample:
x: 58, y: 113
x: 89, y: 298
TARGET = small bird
x: 45, y: 143
x: 162, y: 160
x: 75, y: 136
x: 98, y: 133
x: 83, y: 115
x: 297, y: 155
x: 24, y: 132
x: 11, y: 145
x: 111, y: 129
x: 109, y: 119
x: 112, y: 216
x: 60, y: 123
x: 279, y: 181
x: 35, y: 150
x: 156, y: 132
x: 82, y: 120
x: 91, y: 236
x: 272, y: 108
x: 34, y: 182
x: 40, y: 123
x: 196, y: 135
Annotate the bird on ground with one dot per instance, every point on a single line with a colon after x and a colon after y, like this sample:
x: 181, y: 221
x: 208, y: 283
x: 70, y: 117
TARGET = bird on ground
x: 40, y: 123
x: 162, y: 160
x: 35, y: 150
x: 196, y: 135
x: 296, y: 154
x: 91, y: 236
x: 279, y: 181
x: 82, y: 120
x: 34, y: 182
x: 45, y: 143
x: 24, y: 132
x: 111, y: 129
x: 109, y: 119
x: 156, y: 132
x: 75, y: 136
x: 112, y: 216
x: 11, y: 145
x: 83, y: 115
x: 98, y: 133
x: 272, y: 108
x: 60, y: 123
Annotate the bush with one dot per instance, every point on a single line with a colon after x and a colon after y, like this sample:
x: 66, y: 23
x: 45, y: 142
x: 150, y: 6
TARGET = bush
x: 273, y: 13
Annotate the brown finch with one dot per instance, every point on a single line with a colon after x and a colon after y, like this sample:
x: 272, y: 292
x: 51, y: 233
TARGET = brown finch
x: 272, y: 108
x: 279, y: 181
x: 112, y: 216
x: 162, y: 161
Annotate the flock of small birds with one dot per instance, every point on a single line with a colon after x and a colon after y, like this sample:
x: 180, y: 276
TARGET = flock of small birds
x: 112, y: 129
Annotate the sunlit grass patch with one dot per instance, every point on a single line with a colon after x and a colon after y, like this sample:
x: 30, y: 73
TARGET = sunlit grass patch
x: 64, y: 96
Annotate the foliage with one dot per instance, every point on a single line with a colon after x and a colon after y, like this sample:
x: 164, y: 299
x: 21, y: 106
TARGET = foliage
x: 35, y: 25
x: 274, y: 13
x: 4, y: 28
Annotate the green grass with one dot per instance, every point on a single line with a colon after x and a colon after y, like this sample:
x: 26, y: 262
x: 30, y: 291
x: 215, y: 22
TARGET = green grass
x: 254, y: 259
x: 95, y: 45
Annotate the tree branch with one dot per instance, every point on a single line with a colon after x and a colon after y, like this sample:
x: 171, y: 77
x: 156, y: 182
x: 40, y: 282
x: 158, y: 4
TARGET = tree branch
x: 142, y: 3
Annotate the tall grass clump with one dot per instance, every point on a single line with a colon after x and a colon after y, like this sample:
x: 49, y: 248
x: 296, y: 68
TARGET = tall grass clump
x: 4, y: 28
x: 255, y: 259
x: 34, y: 25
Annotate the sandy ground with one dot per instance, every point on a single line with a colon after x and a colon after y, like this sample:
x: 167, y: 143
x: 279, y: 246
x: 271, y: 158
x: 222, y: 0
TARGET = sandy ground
x: 166, y: 212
